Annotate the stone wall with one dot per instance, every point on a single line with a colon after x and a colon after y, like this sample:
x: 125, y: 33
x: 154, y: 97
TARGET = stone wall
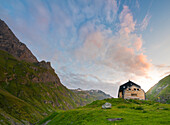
x: 134, y: 92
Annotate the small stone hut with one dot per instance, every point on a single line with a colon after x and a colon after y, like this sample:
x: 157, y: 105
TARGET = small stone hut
x: 131, y: 90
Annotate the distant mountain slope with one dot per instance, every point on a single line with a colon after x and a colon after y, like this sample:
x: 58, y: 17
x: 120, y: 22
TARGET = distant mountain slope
x: 89, y: 96
x: 160, y: 91
x: 29, y: 90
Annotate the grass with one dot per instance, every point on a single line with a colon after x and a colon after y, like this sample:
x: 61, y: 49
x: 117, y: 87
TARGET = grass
x: 133, y: 112
x: 17, y: 108
x: 26, y: 100
x: 160, y: 91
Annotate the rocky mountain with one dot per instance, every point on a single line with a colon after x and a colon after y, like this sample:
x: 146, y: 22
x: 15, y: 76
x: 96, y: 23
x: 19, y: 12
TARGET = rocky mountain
x: 89, y: 96
x: 10, y: 43
x: 161, y: 91
x: 29, y: 90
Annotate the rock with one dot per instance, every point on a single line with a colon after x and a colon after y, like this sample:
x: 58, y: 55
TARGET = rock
x: 107, y: 105
x: 11, y: 44
x: 114, y: 119
x: 44, y: 64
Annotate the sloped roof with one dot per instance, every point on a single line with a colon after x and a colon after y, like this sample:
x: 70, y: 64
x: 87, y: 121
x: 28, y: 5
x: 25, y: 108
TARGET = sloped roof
x: 128, y: 84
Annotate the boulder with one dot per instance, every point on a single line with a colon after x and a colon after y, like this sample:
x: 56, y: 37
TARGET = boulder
x: 114, y: 119
x: 107, y: 105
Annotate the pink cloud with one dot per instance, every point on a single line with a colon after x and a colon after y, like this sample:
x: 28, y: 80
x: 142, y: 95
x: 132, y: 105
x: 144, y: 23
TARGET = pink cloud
x: 121, y: 52
x: 126, y: 21
x: 91, y: 47
x: 138, y: 43
x: 127, y: 60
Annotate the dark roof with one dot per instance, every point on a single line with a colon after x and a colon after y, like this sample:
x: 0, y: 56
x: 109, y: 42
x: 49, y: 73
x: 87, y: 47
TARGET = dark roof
x: 128, y: 84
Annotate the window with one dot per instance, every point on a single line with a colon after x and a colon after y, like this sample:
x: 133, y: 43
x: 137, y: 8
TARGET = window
x: 129, y: 88
x: 133, y: 94
x: 135, y: 89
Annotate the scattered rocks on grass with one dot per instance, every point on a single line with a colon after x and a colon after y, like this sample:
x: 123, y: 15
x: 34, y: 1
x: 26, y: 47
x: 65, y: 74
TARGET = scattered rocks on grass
x: 107, y: 105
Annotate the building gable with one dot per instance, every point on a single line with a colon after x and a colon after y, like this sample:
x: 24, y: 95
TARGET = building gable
x: 131, y: 90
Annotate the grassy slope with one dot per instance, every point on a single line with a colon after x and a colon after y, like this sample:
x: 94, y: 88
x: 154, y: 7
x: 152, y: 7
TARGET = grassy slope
x: 22, y: 100
x: 14, y: 108
x: 156, y: 92
x: 132, y: 111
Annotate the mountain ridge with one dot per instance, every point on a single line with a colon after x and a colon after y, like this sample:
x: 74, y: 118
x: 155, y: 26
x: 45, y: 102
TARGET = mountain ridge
x: 161, y: 91
x: 29, y: 90
x: 89, y: 96
x: 10, y: 43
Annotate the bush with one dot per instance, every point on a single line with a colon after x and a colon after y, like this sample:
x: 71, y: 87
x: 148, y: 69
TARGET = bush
x: 165, y: 109
x: 139, y: 108
x: 144, y: 111
x: 132, y: 107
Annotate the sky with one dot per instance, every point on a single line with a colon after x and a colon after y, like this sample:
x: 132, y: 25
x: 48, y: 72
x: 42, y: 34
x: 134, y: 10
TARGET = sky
x: 95, y: 44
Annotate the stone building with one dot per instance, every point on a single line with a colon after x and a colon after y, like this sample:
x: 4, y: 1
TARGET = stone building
x: 131, y: 90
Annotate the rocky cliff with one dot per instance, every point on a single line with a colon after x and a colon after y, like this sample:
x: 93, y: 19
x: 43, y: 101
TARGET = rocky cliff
x: 10, y: 43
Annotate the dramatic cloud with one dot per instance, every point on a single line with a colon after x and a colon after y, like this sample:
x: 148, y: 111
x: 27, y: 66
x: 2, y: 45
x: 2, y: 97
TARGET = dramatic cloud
x: 92, y: 44
x: 120, y: 51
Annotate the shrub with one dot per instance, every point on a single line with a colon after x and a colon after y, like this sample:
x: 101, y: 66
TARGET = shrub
x: 144, y: 111
x: 139, y: 108
x: 165, y: 109
x: 132, y: 107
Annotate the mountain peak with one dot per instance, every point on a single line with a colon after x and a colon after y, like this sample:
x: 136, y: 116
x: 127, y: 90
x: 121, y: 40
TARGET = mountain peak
x: 10, y: 43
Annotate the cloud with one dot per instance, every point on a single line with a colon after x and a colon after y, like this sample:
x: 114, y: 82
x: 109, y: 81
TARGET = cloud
x: 92, y: 44
x: 126, y: 21
x: 145, y: 22
x: 111, y: 9
x: 138, y: 43
x: 162, y: 69
x: 73, y: 81
x: 121, y: 51
x: 137, y: 4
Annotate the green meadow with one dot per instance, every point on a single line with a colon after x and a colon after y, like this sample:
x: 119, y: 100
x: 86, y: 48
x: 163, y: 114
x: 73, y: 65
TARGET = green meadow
x: 134, y: 112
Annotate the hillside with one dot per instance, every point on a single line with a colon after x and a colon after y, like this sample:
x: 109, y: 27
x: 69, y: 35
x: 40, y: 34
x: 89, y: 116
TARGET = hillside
x: 131, y: 112
x: 160, y: 91
x: 29, y: 90
x: 88, y: 96
x: 26, y: 94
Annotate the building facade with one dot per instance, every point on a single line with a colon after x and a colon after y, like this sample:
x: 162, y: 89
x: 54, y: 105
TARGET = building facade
x: 130, y: 90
